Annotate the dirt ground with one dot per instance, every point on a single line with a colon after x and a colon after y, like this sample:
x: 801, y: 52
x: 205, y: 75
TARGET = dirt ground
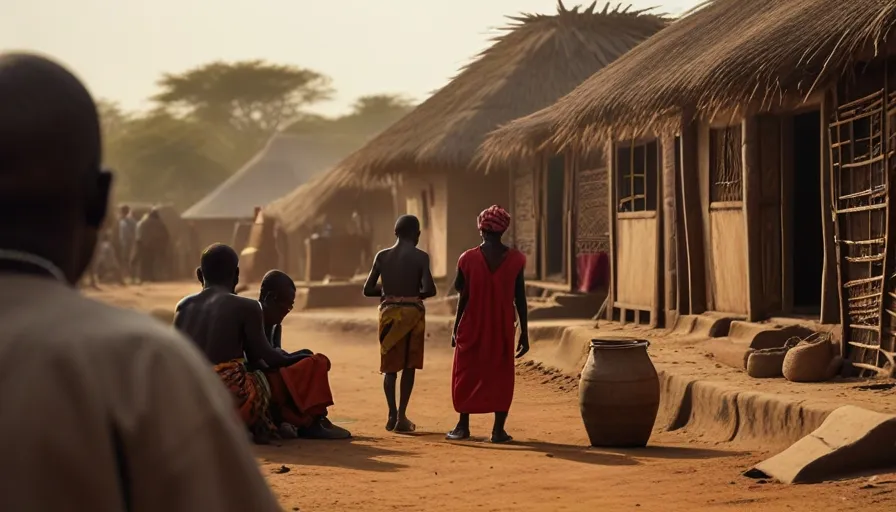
x: 548, y: 468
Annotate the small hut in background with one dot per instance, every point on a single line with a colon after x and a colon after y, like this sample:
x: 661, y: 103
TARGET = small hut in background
x: 286, y: 162
x: 559, y: 198
x: 428, y: 156
x: 751, y: 157
x: 329, y: 226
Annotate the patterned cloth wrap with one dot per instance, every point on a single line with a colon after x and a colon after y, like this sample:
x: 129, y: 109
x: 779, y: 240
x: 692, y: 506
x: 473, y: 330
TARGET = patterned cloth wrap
x: 494, y: 219
x: 251, y: 393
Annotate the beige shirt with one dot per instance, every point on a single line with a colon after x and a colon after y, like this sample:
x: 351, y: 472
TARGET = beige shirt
x: 75, y: 374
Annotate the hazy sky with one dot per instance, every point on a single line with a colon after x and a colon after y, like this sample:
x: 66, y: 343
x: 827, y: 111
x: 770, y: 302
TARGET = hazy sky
x: 121, y: 47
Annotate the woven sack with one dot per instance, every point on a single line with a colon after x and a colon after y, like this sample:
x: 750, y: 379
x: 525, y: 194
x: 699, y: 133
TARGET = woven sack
x: 812, y: 360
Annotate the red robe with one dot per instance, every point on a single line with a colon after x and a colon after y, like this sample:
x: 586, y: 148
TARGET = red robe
x: 483, y: 373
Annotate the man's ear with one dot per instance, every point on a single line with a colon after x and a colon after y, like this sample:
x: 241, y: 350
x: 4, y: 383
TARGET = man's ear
x: 199, y: 276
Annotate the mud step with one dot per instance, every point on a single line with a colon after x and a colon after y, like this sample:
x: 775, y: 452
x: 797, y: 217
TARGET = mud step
x: 706, y: 325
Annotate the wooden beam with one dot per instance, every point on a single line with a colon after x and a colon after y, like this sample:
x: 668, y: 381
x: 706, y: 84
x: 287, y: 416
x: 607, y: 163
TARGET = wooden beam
x: 571, y: 165
x: 657, y: 311
x: 752, y: 194
x: 693, y: 208
x: 611, y: 222
x: 830, y: 290
x: 669, y: 237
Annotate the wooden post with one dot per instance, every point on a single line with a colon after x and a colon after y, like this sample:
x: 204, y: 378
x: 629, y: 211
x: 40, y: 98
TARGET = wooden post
x: 693, y: 219
x: 752, y: 192
x: 657, y: 316
x: 575, y: 162
x: 669, y: 238
x: 611, y: 223
x: 830, y: 289
x: 511, y: 202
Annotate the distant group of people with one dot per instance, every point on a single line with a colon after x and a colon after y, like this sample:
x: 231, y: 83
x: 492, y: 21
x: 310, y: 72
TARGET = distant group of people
x: 135, y: 251
x: 143, y: 404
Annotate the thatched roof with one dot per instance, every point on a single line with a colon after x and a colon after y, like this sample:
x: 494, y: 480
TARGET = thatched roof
x: 517, y: 140
x: 298, y: 208
x: 537, y: 59
x: 285, y: 163
x: 724, y: 54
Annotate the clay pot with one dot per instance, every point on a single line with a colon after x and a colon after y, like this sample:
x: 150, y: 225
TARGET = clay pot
x: 619, y: 393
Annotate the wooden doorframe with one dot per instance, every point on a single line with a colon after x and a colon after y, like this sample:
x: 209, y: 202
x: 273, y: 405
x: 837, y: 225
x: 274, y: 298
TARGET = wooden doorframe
x: 656, y: 308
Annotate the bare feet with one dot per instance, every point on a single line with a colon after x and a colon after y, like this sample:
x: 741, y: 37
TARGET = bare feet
x: 404, y: 426
x: 501, y: 437
x: 391, y: 422
x: 458, y: 434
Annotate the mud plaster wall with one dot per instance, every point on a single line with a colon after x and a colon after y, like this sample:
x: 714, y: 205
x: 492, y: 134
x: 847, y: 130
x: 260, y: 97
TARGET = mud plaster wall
x: 636, y: 240
x: 210, y: 231
x: 468, y: 194
x: 432, y: 212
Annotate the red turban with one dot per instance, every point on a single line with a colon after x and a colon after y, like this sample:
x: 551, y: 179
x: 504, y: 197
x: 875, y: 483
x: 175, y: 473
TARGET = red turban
x: 494, y: 219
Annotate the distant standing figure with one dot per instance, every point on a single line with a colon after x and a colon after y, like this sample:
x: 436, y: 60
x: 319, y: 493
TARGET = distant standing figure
x: 490, y: 282
x: 106, y: 264
x: 127, y: 237
x: 152, y: 247
x: 407, y: 281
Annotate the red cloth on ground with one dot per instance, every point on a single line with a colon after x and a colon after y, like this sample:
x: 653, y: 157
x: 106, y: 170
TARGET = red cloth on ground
x: 593, y: 271
x: 483, y: 374
x: 301, y: 391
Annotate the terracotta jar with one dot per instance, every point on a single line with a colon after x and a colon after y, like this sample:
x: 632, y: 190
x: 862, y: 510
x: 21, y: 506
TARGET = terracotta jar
x: 619, y: 393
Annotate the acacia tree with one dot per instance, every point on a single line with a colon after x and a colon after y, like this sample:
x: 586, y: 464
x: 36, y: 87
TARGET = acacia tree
x: 253, y: 97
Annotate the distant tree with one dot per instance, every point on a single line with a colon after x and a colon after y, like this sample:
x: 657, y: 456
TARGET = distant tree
x: 369, y: 116
x: 254, y: 97
x: 113, y: 119
x: 164, y: 158
x: 382, y: 105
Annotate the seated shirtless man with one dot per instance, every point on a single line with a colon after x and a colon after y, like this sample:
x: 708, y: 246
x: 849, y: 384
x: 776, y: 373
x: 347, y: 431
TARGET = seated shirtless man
x: 406, y: 282
x: 300, y: 394
x: 229, y: 330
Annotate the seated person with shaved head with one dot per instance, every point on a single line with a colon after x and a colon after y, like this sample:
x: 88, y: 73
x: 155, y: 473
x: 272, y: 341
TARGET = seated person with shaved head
x: 229, y: 330
x: 300, y: 393
x: 125, y: 411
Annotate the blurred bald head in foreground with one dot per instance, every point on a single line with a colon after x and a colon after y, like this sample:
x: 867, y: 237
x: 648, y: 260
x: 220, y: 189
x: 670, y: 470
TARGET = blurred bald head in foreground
x: 51, y: 182
x: 129, y: 391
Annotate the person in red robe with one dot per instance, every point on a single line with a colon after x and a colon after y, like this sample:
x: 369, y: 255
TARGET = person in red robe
x: 491, y: 284
x: 300, y: 392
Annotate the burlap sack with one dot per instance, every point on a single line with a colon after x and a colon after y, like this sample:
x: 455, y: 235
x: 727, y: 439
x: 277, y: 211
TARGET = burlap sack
x: 768, y: 363
x: 813, y: 360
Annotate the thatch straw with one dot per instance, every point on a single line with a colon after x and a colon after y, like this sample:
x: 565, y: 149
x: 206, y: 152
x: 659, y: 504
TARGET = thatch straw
x: 725, y: 54
x: 517, y: 140
x: 536, y: 60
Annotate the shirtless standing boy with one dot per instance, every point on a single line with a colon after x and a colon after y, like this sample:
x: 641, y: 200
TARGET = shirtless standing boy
x: 406, y: 282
